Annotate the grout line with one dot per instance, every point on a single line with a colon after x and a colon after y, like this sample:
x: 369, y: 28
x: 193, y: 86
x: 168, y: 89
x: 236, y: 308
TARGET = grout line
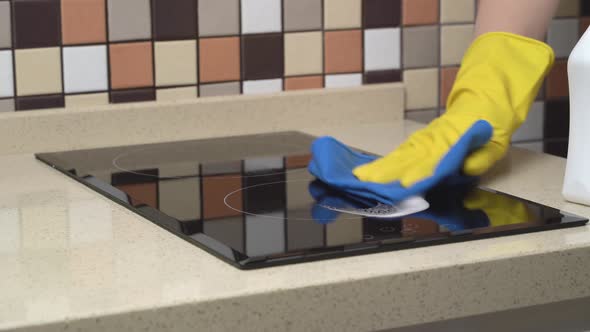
x: 13, y: 53
x: 153, y: 43
x: 284, y: 40
x: 323, y: 31
x: 198, y: 48
x: 61, y: 55
x: 439, y: 28
x: 108, y: 46
x: 241, y: 37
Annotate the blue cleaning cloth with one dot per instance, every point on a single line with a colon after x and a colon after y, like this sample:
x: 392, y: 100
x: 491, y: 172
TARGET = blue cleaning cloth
x: 333, y: 163
x: 325, y: 195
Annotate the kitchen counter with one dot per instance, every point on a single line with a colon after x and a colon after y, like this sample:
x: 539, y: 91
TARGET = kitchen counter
x: 71, y: 259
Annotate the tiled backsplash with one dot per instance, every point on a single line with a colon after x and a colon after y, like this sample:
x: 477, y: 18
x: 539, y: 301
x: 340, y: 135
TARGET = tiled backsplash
x: 89, y: 52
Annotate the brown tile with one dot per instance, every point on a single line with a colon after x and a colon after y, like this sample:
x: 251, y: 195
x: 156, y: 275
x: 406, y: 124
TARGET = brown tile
x: 131, y: 96
x: 557, y: 119
x: 142, y: 193
x: 343, y: 51
x: 584, y: 24
x: 36, y: 23
x: 557, y: 83
x: 214, y: 190
x: 558, y: 148
x: 383, y: 76
x: 131, y: 65
x: 39, y: 102
x: 301, y: 161
x: 174, y: 19
x: 447, y: 79
x: 381, y: 13
x: 420, y: 12
x: 304, y: 83
x: 413, y: 226
x: 262, y: 56
x: 83, y: 22
x: 219, y: 59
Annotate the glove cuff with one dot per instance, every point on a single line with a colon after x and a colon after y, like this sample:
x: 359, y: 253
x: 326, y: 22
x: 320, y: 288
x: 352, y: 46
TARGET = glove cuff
x: 500, y: 76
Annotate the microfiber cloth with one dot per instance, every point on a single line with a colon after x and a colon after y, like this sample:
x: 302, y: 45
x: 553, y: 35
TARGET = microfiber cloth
x: 333, y: 163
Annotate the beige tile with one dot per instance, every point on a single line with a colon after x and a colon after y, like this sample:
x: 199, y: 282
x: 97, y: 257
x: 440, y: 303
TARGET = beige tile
x: 93, y: 99
x: 457, y: 11
x: 421, y: 88
x: 568, y: 8
x: 303, y: 53
x: 339, y: 14
x: 455, y: 39
x: 421, y: 46
x: 220, y: 89
x: 38, y: 71
x: 176, y: 62
x: 176, y: 94
x: 422, y: 116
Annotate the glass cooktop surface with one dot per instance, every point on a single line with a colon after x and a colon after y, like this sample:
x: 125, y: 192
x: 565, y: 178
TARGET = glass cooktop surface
x: 250, y: 201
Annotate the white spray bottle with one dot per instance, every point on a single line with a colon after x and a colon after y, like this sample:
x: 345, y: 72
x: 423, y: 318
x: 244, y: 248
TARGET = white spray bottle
x: 576, y: 186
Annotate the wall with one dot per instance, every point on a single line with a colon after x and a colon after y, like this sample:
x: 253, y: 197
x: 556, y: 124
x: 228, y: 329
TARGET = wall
x: 73, y: 53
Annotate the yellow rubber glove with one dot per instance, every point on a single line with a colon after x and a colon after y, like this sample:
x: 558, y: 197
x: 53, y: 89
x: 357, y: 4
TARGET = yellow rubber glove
x: 499, y: 78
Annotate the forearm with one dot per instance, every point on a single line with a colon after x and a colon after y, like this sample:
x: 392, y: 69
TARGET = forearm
x: 528, y: 18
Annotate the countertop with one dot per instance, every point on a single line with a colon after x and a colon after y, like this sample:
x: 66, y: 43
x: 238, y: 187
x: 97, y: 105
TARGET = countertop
x: 71, y: 259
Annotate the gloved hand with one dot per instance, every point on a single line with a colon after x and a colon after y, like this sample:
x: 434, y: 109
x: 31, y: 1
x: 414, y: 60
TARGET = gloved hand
x: 499, y: 78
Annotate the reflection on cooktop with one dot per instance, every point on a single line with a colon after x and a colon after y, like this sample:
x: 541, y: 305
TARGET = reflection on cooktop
x: 250, y: 201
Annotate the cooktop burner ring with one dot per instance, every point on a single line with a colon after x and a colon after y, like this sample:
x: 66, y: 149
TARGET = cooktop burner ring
x: 354, y: 213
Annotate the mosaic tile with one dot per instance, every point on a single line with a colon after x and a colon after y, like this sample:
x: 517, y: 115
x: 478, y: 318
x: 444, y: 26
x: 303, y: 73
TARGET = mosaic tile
x: 121, y: 28
x: 36, y: 23
x: 304, y: 83
x: 176, y: 62
x: 174, y: 19
x: 262, y: 56
x: 219, y: 59
x: 303, y: 53
x: 83, y: 22
x: 302, y: 15
x: 219, y: 17
x: 343, y: 51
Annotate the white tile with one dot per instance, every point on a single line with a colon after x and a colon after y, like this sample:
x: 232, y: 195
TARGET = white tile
x: 6, y: 74
x: 263, y: 164
x: 532, y: 128
x: 265, y: 234
x: 259, y: 16
x: 344, y: 81
x: 563, y: 36
x: 382, y: 49
x: 85, y: 68
x: 263, y: 86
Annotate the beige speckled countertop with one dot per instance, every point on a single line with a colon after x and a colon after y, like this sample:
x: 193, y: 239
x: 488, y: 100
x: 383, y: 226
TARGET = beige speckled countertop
x: 61, y: 270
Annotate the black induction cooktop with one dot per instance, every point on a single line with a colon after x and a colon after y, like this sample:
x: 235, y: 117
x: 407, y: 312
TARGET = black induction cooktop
x: 250, y: 201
